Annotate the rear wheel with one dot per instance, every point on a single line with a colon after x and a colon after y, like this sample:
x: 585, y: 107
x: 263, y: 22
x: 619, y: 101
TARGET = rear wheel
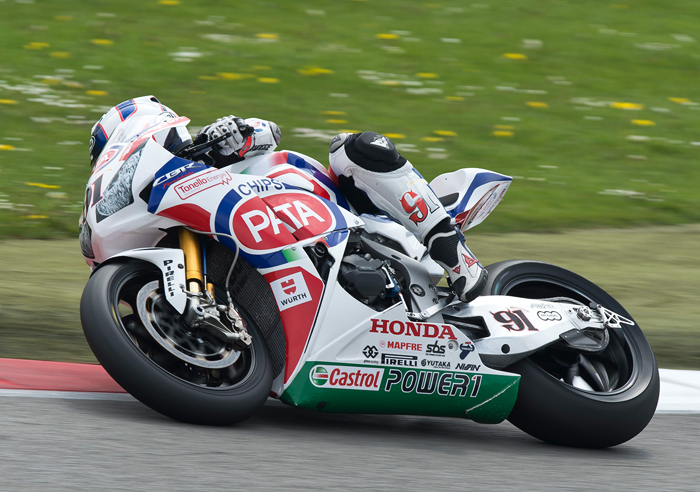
x: 577, y: 398
x: 180, y: 371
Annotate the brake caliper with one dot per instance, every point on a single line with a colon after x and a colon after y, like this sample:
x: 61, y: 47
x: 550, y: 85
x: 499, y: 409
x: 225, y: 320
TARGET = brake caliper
x: 203, y: 312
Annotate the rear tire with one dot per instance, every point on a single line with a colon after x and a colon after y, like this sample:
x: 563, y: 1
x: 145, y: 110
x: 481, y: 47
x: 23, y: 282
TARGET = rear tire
x: 174, y: 387
x: 620, y: 385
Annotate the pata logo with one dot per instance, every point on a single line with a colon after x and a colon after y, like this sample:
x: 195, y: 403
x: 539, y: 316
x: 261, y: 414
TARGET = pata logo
x: 268, y: 224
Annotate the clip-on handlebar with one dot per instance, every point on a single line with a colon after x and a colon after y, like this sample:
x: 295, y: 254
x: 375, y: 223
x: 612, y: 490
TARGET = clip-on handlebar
x: 195, y: 150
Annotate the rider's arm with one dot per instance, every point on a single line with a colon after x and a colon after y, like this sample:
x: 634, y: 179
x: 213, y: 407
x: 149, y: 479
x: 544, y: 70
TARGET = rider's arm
x: 246, y: 138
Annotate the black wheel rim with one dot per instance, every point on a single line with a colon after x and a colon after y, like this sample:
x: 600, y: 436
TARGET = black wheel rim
x: 198, y: 344
x: 607, y: 372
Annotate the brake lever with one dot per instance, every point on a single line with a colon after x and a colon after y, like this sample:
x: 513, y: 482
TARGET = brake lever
x: 195, y: 150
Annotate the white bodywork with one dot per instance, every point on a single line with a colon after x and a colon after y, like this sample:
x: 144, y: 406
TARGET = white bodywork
x: 322, y: 321
x: 171, y: 262
x: 474, y: 192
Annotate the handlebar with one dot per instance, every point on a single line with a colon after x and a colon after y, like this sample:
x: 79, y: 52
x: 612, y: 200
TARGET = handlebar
x: 195, y: 150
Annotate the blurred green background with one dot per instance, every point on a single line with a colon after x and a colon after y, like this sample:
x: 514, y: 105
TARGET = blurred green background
x: 593, y: 107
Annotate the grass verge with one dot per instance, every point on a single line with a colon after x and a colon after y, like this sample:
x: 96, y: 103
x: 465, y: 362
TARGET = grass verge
x: 590, y: 107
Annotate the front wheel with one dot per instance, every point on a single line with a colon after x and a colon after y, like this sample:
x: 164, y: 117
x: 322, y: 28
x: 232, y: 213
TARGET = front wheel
x: 177, y: 370
x: 570, y: 397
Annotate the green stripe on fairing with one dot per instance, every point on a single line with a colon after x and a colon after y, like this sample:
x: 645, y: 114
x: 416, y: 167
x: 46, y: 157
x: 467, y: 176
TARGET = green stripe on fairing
x: 293, y: 254
x: 492, y: 404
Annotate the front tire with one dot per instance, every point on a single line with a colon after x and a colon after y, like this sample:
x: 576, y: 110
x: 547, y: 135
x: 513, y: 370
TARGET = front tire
x: 226, y: 388
x: 615, y: 392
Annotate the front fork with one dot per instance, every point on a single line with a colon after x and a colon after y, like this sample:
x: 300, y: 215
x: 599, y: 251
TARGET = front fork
x: 202, y: 310
x: 195, y: 268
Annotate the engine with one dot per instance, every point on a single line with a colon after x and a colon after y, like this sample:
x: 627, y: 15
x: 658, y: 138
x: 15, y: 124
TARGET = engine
x: 368, y: 280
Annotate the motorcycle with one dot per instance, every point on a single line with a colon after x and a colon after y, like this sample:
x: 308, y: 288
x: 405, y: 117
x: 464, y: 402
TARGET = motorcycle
x: 214, y: 289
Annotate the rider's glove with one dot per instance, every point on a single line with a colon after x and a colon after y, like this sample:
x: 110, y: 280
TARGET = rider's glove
x: 240, y: 134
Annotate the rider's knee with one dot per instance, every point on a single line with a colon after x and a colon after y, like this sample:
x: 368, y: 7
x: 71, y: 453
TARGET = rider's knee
x: 368, y: 150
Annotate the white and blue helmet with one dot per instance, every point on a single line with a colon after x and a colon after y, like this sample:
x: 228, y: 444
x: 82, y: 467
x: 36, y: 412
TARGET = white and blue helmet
x: 140, y: 106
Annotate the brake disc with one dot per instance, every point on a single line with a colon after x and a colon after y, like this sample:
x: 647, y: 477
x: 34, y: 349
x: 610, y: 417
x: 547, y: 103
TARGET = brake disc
x: 163, y: 323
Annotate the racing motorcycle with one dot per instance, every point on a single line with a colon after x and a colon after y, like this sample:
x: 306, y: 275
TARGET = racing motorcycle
x: 213, y: 289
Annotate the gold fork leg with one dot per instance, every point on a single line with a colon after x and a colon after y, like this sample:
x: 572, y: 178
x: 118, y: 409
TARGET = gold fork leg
x: 189, y: 242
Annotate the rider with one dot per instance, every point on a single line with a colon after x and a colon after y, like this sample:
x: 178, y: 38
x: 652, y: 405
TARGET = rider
x: 368, y: 169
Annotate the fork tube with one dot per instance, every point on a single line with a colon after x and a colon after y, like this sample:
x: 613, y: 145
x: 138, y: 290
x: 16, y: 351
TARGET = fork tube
x: 189, y: 242
x: 209, y: 286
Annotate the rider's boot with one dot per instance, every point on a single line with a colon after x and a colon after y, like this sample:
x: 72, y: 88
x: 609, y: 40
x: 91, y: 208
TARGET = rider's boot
x: 376, y: 178
x: 447, y: 247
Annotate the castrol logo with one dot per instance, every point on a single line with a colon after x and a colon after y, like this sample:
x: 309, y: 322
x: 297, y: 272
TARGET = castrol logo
x: 346, y: 377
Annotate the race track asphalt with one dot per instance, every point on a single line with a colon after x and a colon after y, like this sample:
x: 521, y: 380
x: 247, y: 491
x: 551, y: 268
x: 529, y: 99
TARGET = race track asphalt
x: 115, y: 444
x: 105, y: 440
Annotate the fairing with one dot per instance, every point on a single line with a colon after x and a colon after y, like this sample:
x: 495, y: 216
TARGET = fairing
x: 342, y: 356
x: 470, y: 195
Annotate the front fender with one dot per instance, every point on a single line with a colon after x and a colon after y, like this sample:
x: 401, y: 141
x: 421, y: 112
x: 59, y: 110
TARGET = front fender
x: 171, y: 262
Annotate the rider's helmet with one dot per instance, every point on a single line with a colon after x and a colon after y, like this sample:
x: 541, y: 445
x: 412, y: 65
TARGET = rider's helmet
x: 103, y: 129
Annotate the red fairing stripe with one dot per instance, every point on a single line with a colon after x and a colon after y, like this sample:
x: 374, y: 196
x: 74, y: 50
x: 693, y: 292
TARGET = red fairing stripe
x: 318, y: 189
x: 189, y: 214
x: 279, y: 158
x: 298, y: 295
